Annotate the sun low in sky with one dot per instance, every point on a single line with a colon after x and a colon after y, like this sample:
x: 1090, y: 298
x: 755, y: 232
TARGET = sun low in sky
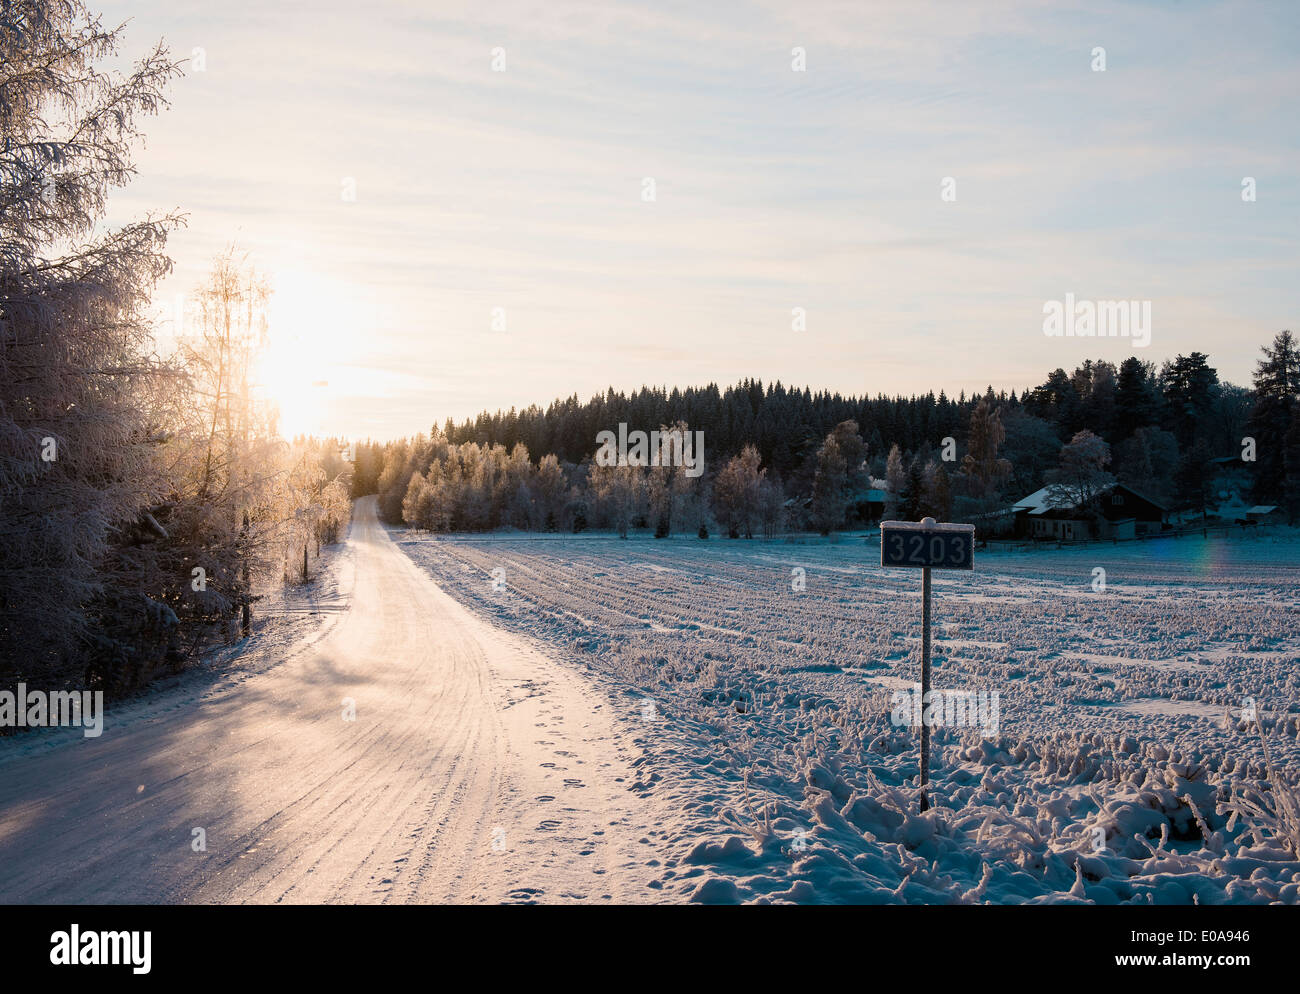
x: 480, y: 205
x: 308, y: 336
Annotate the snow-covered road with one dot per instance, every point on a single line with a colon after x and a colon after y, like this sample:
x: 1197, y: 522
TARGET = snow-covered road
x: 476, y: 770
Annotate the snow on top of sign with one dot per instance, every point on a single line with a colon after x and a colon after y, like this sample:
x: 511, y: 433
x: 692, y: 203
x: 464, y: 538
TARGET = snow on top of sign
x: 922, y: 526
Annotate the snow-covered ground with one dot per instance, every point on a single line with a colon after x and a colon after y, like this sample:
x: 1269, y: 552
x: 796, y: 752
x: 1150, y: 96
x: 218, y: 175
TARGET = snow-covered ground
x: 285, y: 621
x: 392, y: 748
x: 763, y: 706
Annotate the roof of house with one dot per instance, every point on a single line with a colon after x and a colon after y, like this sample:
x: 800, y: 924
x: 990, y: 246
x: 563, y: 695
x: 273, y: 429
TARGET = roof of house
x: 1149, y: 499
x: 1039, y: 502
x: 1001, y: 512
x: 1262, y: 509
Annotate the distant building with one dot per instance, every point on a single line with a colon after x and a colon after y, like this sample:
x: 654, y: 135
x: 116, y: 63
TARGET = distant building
x: 993, y: 524
x: 865, y: 504
x: 871, y: 504
x: 1119, y: 511
x: 1263, y: 514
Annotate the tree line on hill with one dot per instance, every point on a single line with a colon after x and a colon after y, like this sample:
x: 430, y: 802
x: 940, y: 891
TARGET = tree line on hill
x: 780, y: 458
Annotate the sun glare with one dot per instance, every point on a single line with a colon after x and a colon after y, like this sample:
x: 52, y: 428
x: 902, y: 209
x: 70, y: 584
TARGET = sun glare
x: 299, y: 372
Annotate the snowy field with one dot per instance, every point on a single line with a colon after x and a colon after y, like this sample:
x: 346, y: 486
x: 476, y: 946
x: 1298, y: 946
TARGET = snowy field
x: 1122, y: 768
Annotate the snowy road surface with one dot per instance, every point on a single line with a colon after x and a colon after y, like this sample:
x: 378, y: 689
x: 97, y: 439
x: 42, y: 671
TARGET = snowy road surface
x: 476, y: 770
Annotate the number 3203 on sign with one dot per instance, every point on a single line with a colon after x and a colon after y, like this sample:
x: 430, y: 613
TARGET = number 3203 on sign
x: 928, y: 543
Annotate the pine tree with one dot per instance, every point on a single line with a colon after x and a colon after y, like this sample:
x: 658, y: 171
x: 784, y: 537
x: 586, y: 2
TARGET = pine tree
x: 912, y: 499
x: 1136, y: 402
x: 1291, y: 460
x: 1195, y: 479
x: 1277, y: 394
x: 1189, y: 387
x: 939, y: 494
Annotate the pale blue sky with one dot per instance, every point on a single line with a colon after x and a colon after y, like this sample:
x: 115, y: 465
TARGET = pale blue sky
x: 776, y: 189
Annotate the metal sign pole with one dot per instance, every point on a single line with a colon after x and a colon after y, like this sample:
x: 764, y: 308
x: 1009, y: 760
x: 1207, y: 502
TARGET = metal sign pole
x: 923, y: 545
x: 925, y: 685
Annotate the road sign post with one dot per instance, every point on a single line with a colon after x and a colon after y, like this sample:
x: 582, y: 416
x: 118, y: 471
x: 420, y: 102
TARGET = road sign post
x: 926, y: 545
x: 925, y: 685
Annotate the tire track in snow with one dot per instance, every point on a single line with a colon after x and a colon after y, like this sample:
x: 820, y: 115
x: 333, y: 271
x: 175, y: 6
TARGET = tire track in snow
x: 301, y: 806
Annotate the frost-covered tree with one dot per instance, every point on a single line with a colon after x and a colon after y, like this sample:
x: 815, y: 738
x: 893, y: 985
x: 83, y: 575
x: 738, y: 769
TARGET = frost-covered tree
x: 77, y: 460
x: 552, y: 490
x: 1081, y: 476
x: 228, y: 460
x: 394, y: 478
x: 771, y: 506
x: 417, y: 507
x: 659, y: 499
x: 895, y: 479
x: 618, y: 492
x: 242, y: 508
x: 840, y: 476
x: 828, y: 498
x: 736, y: 493
x: 985, y: 471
